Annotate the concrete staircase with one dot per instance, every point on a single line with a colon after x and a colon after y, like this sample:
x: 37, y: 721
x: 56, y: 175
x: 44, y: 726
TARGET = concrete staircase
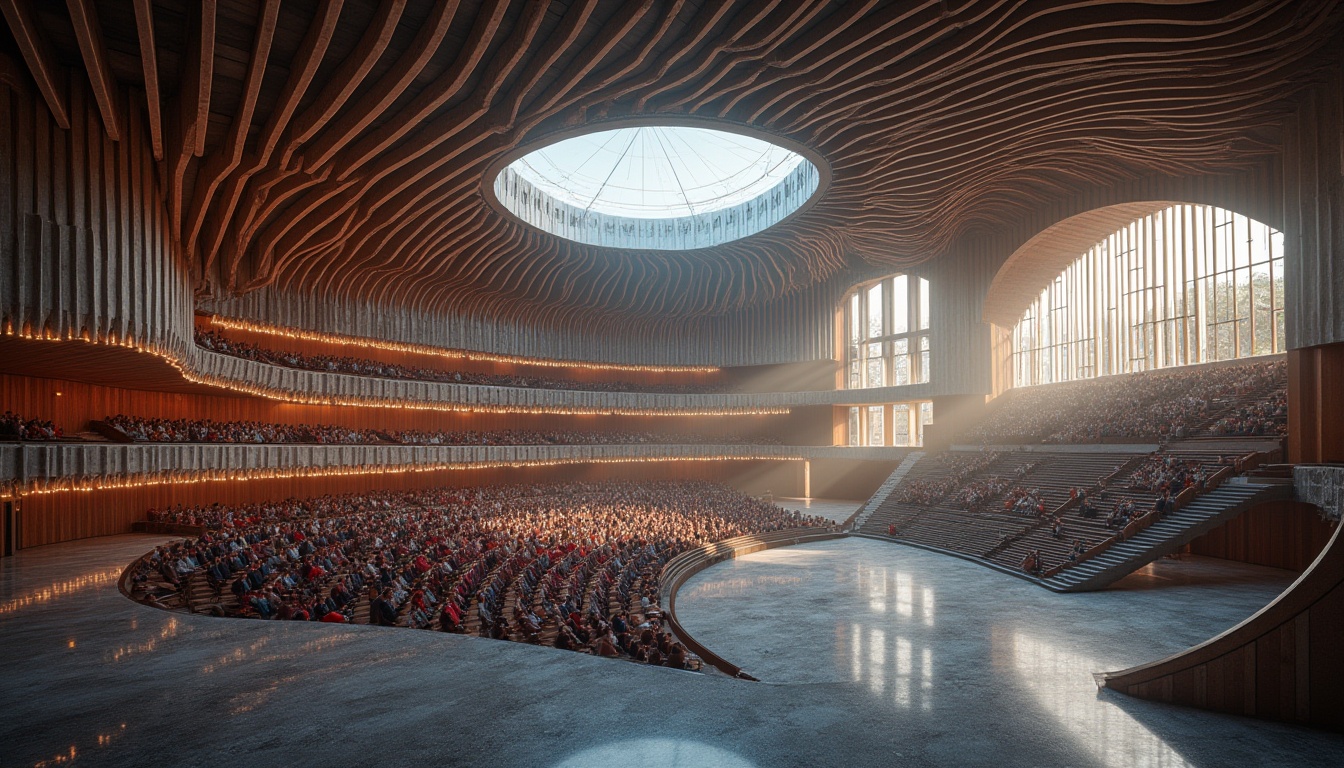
x: 1166, y: 536
x: 884, y: 490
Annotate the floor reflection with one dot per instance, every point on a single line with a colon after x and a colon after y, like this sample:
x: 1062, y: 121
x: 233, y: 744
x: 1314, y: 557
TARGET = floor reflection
x: 882, y: 648
x: 1109, y: 734
x: 59, y: 589
x: 101, y: 740
x: 919, y: 633
x: 917, y: 659
x: 656, y: 753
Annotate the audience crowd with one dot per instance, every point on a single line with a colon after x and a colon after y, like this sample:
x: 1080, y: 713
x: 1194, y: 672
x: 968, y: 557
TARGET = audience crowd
x: 1165, y: 473
x: 574, y: 565
x: 217, y: 342
x: 15, y: 427
x: 1148, y: 406
x: 1267, y: 417
x: 954, y: 467
x: 207, y: 431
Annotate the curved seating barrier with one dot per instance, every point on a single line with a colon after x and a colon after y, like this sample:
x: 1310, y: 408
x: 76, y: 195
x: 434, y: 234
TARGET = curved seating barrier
x: 1283, y: 663
x: 317, y: 387
x: 682, y: 567
x: 42, y: 467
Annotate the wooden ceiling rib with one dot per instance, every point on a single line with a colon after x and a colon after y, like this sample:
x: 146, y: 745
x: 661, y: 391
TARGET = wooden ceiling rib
x: 37, y: 54
x: 90, y: 36
x: 149, y: 59
x: 350, y: 145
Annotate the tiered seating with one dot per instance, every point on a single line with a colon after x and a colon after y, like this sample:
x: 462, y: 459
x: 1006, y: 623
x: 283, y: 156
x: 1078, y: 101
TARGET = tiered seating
x: 574, y: 565
x: 989, y: 529
x: 949, y: 524
x: 1146, y: 407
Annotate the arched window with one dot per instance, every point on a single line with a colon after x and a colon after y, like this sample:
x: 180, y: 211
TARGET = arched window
x: 887, y: 333
x: 1189, y: 284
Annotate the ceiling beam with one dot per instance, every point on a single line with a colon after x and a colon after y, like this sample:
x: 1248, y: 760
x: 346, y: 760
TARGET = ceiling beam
x: 149, y: 59
x: 199, y: 82
x: 41, y: 63
x: 89, y: 34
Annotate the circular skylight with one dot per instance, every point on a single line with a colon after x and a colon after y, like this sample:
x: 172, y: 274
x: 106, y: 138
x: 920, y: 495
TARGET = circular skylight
x: 657, y: 187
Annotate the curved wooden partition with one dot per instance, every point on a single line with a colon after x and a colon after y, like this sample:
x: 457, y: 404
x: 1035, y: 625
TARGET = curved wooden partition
x: 682, y: 567
x: 1283, y: 663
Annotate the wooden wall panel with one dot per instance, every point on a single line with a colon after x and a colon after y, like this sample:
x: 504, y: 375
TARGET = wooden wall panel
x: 1313, y: 172
x: 1283, y: 663
x: 1316, y: 404
x: 1281, y: 534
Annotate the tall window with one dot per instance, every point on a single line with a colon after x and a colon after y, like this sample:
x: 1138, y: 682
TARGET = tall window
x: 895, y: 424
x: 887, y: 326
x: 1190, y: 284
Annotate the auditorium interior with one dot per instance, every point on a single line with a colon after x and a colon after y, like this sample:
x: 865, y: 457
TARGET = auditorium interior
x: 672, y: 383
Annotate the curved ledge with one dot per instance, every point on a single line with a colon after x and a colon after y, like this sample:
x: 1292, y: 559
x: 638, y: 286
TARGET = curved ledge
x: 295, y: 385
x: 682, y: 567
x: 1283, y: 663
x: 192, y: 368
x: 53, y: 467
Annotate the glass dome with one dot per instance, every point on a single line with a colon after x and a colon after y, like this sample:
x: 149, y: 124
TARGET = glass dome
x: 657, y: 187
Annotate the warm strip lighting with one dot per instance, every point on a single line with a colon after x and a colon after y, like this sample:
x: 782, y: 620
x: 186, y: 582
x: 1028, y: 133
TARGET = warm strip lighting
x: 238, y: 324
x: 44, y: 486
x: 418, y: 405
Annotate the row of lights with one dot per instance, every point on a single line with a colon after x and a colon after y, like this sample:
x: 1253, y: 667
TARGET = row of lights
x: 422, y: 405
x: 239, y: 324
x: 45, y: 486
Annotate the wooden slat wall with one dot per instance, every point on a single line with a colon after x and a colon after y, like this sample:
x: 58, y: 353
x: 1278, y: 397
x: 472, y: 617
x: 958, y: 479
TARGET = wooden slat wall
x: 1282, y: 664
x: 84, y: 244
x: 1314, y: 232
x: 795, y: 328
x: 1316, y: 404
x: 1280, y: 534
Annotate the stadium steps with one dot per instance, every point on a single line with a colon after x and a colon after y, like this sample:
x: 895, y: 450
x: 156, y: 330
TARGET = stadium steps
x: 884, y: 490
x: 1166, y: 536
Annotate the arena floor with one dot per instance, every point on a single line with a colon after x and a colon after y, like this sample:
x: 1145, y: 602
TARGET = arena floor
x: 873, y: 653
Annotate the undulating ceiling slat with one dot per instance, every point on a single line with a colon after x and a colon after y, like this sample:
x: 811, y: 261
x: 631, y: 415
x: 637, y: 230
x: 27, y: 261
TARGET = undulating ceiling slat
x: 342, y: 149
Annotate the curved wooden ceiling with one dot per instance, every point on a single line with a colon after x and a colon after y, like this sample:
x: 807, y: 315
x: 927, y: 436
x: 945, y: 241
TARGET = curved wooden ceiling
x: 1037, y: 262
x: 340, y: 146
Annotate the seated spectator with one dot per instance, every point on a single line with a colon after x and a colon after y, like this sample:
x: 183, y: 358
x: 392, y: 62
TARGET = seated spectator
x: 207, y: 431
x: 562, y: 564
x: 15, y: 427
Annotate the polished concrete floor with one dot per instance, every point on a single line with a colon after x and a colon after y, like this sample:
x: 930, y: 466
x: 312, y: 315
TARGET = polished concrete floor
x: 876, y: 654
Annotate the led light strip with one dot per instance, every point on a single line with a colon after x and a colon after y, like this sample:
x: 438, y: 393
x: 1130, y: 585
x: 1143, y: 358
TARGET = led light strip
x: 239, y: 324
x: 421, y: 405
x: 45, y: 486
